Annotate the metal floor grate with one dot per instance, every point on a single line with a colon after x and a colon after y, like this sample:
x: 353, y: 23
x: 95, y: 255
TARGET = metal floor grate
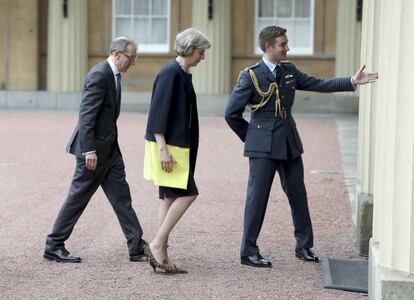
x: 347, y: 275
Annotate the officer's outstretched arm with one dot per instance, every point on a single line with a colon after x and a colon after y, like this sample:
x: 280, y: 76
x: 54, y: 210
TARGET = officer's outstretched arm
x: 335, y: 84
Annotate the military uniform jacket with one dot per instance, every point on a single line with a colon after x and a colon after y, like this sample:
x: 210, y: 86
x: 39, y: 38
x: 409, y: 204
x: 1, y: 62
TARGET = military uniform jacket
x: 271, y: 132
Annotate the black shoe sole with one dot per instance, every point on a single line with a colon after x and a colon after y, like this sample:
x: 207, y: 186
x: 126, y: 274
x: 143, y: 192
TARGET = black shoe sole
x: 302, y: 258
x: 255, y: 266
x: 138, y: 258
x: 50, y: 257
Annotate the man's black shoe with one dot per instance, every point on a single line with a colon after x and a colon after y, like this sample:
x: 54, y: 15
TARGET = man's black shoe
x: 255, y: 260
x: 61, y: 255
x: 306, y: 254
x: 136, y: 258
x: 140, y: 256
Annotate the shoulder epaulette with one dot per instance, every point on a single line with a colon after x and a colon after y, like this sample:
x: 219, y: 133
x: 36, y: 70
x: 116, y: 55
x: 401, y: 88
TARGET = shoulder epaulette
x: 251, y: 67
x: 247, y: 70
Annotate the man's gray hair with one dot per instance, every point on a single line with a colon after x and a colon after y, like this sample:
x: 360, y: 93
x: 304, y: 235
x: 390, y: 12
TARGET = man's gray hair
x: 190, y: 39
x: 121, y: 43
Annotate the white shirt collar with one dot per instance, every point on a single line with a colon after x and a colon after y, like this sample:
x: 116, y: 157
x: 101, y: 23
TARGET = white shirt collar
x: 113, y: 67
x: 269, y: 64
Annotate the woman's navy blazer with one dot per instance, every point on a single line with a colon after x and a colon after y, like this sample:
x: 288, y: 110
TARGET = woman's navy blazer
x: 172, y: 107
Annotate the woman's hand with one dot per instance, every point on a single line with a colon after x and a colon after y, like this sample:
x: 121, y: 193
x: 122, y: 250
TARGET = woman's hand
x: 166, y: 159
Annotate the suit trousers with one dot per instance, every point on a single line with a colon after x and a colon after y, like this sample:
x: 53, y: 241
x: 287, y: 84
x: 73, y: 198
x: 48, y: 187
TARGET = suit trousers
x: 261, y: 175
x: 110, y: 175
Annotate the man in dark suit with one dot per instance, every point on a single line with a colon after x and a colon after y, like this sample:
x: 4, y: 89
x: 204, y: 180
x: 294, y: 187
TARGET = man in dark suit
x: 272, y: 141
x: 99, y: 162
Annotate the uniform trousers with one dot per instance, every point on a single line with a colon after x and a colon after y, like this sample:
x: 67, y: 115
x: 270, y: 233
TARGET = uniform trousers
x: 261, y: 175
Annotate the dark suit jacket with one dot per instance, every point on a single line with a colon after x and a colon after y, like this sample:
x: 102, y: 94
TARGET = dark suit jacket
x: 99, y: 110
x: 267, y: 135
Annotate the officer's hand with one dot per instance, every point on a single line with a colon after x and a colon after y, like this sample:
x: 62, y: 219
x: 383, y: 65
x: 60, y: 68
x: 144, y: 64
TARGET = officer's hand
x: 362, y: 77
x: 91, y: 161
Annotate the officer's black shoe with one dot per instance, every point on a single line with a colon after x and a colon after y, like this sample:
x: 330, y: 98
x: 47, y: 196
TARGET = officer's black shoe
x: 306, y: 254
x: 255, y: 260
x: 61, y: 255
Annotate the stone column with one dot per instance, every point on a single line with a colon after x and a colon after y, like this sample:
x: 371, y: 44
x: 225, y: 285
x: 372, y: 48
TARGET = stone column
x: 4, y: 49
x: 67, y: 45
x: 348, y: 55
x: 392, y: 245
x: 367, y: 129
x: 348, y: 38
x: 212, y: 76
x: 19, y: 61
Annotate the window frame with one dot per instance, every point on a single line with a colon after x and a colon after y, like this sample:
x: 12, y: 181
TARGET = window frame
x: 144, y: 48
x: 294, y: 51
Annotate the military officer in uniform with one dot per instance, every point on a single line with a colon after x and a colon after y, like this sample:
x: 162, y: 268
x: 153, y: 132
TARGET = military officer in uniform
x: 272, y: 141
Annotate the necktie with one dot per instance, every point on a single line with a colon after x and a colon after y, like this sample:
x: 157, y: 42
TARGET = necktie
x: 276, y: 72
x: 118, y: 86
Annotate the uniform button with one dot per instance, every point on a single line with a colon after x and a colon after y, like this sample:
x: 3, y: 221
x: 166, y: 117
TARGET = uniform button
x: 258, y: 126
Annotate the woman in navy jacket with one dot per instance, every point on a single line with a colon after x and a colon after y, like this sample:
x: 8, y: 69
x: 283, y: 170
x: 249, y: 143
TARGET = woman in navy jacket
x: 173, y: 120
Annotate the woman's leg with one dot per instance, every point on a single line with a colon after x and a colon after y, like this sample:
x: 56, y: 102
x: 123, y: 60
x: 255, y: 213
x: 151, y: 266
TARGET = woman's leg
x: 176, y: 210
x: 162, y: 212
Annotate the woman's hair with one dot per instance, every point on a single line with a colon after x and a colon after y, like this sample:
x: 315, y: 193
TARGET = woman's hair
x: 190, y: 39
x: 268, y: 35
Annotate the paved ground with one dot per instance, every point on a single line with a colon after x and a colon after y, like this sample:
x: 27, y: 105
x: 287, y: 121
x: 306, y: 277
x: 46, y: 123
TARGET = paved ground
x: 35, y: 175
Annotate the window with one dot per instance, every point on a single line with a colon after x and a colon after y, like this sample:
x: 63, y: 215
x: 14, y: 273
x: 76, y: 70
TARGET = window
x: 297, y: 16
x: 146, y: 21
